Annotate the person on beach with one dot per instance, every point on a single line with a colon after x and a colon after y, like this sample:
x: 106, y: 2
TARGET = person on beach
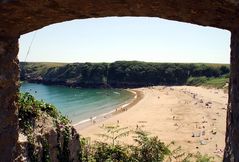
x: 91, y: 119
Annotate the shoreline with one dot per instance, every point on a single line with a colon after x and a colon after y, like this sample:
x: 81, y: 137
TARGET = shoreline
x: 110, y: 109
x: 194, y: 118
x: 138, y: 95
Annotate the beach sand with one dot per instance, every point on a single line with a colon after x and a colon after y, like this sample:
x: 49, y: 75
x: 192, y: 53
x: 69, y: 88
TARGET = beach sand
x: 192, y: 117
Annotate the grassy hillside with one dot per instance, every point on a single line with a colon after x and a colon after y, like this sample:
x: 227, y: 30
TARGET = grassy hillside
x: 125, y: 74
x: 36, y: 69
x: 218, y: 82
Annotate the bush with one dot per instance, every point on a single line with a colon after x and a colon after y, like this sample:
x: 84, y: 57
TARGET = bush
x: 203, y: 158
x: 196, y: 81
x: 218, y: 82
x: 30, y: 109
x: 147, y: 149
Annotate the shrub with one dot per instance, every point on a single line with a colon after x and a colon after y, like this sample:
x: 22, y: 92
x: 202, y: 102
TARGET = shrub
x: 147, y: 149
x: 203, y: 158
x: 30, y: 109
x: 196, y: 81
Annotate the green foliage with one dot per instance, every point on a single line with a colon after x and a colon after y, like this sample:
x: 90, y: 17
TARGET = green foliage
x: 107, y: 153
x: 32, y: 154
x: 87, y: 74
x: 196, y: 81
x: 149, y: 148
x: 50, y: 110
x: 203, y: 158
x: 146, y: 148
x: 179, y: 155
x: 104, y: 152
x: 218, y: 82
x: 86, y: 154
x: 120, y: 73
x: 45, y: 151
x: 30, y: 109
x: 35, y: 70
x: 63, y: 151
x: 114, y: 133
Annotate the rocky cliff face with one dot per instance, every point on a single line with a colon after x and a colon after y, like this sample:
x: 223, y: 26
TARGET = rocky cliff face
x: 45, y: 135
x: 49, y: 143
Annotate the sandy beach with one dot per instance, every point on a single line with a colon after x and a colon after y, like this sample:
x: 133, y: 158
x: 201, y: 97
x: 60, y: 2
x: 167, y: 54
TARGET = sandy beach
x: 192, y: 117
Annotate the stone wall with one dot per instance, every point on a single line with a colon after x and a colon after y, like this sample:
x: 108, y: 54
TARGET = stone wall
x: 9, y: 76
x: 19, y: 17
x: 22, y: 16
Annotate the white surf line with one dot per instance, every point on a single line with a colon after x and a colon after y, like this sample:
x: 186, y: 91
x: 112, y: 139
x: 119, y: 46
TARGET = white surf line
x: 84, y: 121
x: 125, y: 105
x: 81, y: 122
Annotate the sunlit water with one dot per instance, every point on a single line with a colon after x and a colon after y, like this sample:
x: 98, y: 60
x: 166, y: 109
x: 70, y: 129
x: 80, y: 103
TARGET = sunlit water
x: 78, y: 103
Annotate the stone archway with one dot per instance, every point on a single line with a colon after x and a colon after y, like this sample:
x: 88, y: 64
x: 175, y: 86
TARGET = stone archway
x: 22, y: 16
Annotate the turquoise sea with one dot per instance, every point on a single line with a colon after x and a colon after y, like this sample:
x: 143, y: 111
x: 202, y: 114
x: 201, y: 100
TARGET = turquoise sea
x: 78, y: 103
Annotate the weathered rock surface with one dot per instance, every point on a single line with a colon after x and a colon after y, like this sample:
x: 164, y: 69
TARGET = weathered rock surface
x: 49, y: 141
x: 19, y: 17
x: 232, y: 131
x: 9, y: 76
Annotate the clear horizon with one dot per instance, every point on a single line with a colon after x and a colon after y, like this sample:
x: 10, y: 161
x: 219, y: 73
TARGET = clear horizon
x: 129, y: 38
x: 124, y: 60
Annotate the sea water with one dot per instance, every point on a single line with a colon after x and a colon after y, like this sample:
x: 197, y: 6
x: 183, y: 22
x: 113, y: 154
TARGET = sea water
x: 78, y: 103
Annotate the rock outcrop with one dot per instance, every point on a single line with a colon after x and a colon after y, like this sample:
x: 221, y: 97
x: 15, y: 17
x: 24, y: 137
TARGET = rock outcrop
x: 49, y: 142
x: 44, y: 134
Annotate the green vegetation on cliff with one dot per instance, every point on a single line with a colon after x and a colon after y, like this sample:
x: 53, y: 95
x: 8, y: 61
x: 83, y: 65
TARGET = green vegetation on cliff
x: 215, y: 82
x: 48, y: 134
x: 124, y: 74
x: 31, y: 109
x: 35, y: 70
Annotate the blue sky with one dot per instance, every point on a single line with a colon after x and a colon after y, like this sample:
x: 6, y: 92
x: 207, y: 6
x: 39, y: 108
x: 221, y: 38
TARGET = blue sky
x: 128, y: 38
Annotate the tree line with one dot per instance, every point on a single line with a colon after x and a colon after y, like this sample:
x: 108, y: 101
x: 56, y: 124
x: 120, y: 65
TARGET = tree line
x: 119, y: 73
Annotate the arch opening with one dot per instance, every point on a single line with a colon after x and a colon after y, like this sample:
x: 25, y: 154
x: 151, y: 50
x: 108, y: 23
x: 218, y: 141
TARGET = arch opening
x: 19, y: 17
x: 173, y: 33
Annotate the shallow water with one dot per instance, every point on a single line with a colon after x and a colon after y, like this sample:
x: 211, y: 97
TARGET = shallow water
x: 78, y: 103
